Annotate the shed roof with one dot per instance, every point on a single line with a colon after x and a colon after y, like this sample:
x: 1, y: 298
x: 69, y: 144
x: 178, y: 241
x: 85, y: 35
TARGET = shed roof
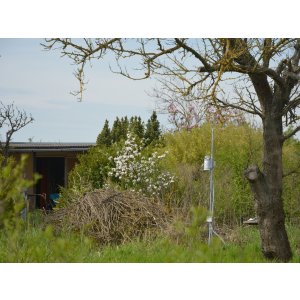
x: 42, y: 147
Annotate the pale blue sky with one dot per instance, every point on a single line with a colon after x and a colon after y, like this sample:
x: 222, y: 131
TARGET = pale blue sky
x: 40, y: 82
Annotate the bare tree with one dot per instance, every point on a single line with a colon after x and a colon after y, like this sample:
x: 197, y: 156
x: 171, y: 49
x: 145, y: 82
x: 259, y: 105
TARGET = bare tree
x: 184, y: 112
x: 256, y: 76
x: 12, y: 119
x: 187, y: 111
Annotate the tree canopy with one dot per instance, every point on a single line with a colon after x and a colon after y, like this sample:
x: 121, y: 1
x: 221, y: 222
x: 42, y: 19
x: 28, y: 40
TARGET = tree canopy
x: 201, y: 67
x: 150, y: 132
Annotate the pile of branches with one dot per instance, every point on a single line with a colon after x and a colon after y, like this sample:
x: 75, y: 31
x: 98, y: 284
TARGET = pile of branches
x: 111, y: 217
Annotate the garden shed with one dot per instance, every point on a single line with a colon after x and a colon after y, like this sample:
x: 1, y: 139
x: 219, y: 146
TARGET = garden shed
x: 53, y: 161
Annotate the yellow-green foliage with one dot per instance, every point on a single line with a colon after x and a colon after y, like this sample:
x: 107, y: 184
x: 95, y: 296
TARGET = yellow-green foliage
x: 291, y: 180
x: 90, y: 173
x: 236, y: 147
x: 12, y: 188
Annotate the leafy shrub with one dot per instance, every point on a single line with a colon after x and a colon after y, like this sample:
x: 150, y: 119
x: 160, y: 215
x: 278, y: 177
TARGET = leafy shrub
x: 12, y: 188
x: 90, y: 173
x: 236, y: 147
x: 291, y: 180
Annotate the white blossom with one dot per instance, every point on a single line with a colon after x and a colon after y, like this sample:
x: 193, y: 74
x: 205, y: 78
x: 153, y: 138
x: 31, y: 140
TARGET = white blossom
x: 140, y: 173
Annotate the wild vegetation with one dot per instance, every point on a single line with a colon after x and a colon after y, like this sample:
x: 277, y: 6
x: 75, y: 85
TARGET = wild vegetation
x: 110, y: 213
x: 12, y: 187
x: 257, y: 76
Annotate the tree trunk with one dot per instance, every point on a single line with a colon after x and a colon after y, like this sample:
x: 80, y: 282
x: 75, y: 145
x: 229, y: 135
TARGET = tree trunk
x: 267, y: 190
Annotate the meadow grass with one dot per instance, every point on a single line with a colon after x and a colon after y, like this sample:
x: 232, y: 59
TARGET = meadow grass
x: 164, y: 250
x: 31, y: 242
x: 35, y: 245
x: 43, y: 245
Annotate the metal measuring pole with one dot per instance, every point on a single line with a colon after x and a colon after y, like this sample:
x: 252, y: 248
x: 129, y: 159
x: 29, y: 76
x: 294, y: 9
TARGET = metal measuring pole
x: 209, y: 165
x: 211, y: 190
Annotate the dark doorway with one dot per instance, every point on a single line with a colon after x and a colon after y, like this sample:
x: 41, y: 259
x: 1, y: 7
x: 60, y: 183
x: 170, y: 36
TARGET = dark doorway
x: 52, y: 170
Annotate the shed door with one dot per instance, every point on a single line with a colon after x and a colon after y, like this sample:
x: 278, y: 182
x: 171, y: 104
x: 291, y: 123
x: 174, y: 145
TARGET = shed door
x: 52, y: 170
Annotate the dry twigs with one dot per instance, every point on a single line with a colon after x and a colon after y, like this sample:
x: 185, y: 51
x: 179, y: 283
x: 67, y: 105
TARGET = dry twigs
x: 111, y: 217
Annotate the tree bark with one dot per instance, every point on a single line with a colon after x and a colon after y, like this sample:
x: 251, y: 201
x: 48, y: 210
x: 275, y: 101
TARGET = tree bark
x: 267, y: 189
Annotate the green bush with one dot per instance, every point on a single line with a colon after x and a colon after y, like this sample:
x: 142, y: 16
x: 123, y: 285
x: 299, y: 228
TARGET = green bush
x: 13, y: 186
x: 236, y: 147
x: 90, y: 173
x: 291, y: 180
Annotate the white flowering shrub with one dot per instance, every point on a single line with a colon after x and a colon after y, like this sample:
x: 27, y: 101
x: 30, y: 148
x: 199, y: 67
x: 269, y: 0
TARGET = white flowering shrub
x: 139, y: 173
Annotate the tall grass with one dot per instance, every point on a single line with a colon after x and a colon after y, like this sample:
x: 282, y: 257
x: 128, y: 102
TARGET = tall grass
x: 28, y: 245
x: 44, y: 246
x: 244, y: 247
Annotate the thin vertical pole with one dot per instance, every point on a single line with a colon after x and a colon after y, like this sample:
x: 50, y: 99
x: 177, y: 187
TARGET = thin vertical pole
x: 210, y: 221
x: 211, y: 190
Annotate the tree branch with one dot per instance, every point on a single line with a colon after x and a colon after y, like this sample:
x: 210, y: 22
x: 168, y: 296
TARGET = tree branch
x: 207, y: 67
x: 239, y: 107
x: 292, y: 104
x: 290, y: 134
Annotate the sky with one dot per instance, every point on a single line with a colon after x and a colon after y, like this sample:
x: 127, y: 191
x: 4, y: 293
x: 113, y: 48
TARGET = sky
x: 41, y: 82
